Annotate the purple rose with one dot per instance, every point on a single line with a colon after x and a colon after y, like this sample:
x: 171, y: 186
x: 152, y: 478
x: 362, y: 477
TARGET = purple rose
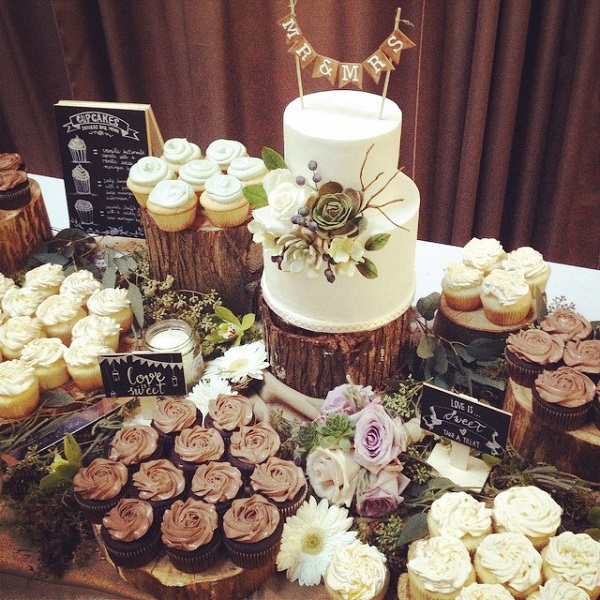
x: 346, y: 399
x: 379, y: 495
x: 378, y: 438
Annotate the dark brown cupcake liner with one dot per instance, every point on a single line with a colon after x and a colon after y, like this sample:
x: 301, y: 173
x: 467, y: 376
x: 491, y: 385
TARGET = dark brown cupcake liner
x: 94, y: 510
x: 595, y: 412
x: 288, y: 508
x: 136, y: 554
x: 257, y: 555
x: 559, y: 417
x: 17, y: 197
x: 524, y: 372
x: 198, y: 560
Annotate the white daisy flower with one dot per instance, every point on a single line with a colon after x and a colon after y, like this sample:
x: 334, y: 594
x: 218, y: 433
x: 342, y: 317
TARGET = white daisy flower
x: 208, y: 389
x: 310, y: 538
x: 239, y: 363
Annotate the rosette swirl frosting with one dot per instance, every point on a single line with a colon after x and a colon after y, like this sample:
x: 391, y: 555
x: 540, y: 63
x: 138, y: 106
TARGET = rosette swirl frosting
x: 133, y: 443
x: 11, y: 178
x: 129, y: 520
x: 583, y: 355
x: 48, y: 275
x: 95, y: 328
x: 11, y: 161
x: 149, y: 170
x: 483, y: 253
x: 229, y: 412
x: 22, y: 302
x: 506, y: 286
x: 574, y: 557
x: 216, y: 482
x: 565, y: 386
x: 247, y: 167
x: 80, y: 285
x: 484, y: 591
x: 84, y: 353
x: 6, y: 283
x: 102, y: 479
x: 536, y: 346
x: 180, y: 150
x: 174, y: 414
x: 569, y: 325
x: 224, y: 188
x: 528, y: 510
x: 18, y: 331
x: 189, y: 524
x: 277, y: 479
x: 108, y: 301
x: 555, y: 589
x: 251, y: 520
x: 457, y: 514
x: 43, y: 352
x: 199, y: 444
x: 528, y: 261
x: 57, y: 309
x: 254, y: 443
x: 224, y: 151
x: 15, y: 377
x: 171, y: 193
x: 159, y: 480
x: 197, y: 172
x: 442, y: 564
x: 458, y: 276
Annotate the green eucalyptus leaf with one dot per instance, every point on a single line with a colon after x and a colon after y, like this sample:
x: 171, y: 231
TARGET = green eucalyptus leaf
x: 593, y: 516
x: 440, y: 360
x: 377, y: 241
x: 486, y: 349
x: 488, y: 381
x: 256, y: 195
x: 272, y: 159
x: 227, y: 315
x: 248, y: 320
x: 56, y: 399
x: 137, y: 303
x: 426, y: 347
x: 125, y: 264
x: 463, y: 353
x: 367, y: 269
x: 414, y: 528
x: 50, y: 481
x: 109, y: 279
x: 428, y: 305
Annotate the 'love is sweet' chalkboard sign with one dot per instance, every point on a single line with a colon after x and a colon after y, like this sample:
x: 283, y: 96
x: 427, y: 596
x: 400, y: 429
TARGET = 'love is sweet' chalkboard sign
x: 464, y: 420
x: 98, y: 144
x: 143, y: 374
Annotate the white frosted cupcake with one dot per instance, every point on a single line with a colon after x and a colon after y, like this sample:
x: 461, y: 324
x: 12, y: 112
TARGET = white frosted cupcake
x: 80, y: 285
x: 223, y: 152
x: 510, y: 560
x: 460, y: 515
x: 46, y: 278
x: 506, y: 297
x: 531, y: 263
x: 224, y: 202
x: 461, y: 285
x: 145, y: 174
x: 438, y: 568
x: 103, y: 330
x: 250, y: 170
x: 484, y: 591
x: 178, y: 151
x: 6, y: 283
x: 575, y: 558
x: 16, y: 333
x: 58, y: 314
x: 19, y: 390
x: 46, y: 357
x: 83, y: 364
x: 172, y: 205
x: 528, y: 510
x: 198, y: 172
x: 112, y: 302
x: 554, y: 589
x: 22, y: 302
x: 485, y: 254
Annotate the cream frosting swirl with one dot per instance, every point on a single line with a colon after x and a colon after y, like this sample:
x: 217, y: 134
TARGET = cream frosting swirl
x: 102, y: 479
x: 84, y: 353
x: 528, y: 261
x: 535, y: 346
x: 459, y: 276
x: 254, y: 443
x: 178, y: 151
x: 58, y: 309
x: 129, y: 520
x: 528, y: 510
x: 133, y: 443
x: 43, y: 352
x: 512, y: 559
x: 224, y: 188
x: 80, y: 285
x: 356, y: 571
x: 22, y: 302
x: 224, y: 151
x: 188, y: 525
x: 6, y: 283
x: 149, y: 170
x: 583, y: 355
x: 574, y: 557
x: 555, y: 589
x: 199, y: 444
x: 216, y: 482
x: 277, y: 479
x: 565, y: 386
x: 15, y: 377
x: 484, y: 591
x: 457, y: 514
x: 483, y: 253
x: 171, y: 193
x: 442, y: 564
x: 19, y: 331
x: 569, y: 325
x: 108, y: 301
x: 251, y: 520
x: 48, y: 275
x: 506, y: 286
x: 95, y: 328
x: 197, y: 172
x: 230, y: 411
x: 174, y: 414
x: 247, y: 167
x: 159, y: 480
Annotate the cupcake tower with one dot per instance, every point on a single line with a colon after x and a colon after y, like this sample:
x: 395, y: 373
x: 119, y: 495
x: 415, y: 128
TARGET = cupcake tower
x: 182, y: 480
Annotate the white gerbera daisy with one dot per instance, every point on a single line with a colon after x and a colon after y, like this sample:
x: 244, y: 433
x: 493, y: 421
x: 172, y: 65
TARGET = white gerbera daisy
x: 239, y: 363
x: 208, y: 389
x: 310, y: 538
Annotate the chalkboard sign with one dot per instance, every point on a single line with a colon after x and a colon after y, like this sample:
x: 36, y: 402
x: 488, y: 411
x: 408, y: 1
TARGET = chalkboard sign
x: 143, y: 374
x: 98, y: 143
x: 464, y: 420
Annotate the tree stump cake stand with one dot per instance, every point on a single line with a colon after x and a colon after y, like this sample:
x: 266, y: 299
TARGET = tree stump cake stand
x: 314, y: 363
x: 204, y: 257
x: 21, y: 230
x: 576, y: 451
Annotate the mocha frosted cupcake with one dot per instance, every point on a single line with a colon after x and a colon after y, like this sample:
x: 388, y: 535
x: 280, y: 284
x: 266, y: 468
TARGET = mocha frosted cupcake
x: 506, y: 297
x: 46, y: 357
x: 562, y: 398
x: 12, y: 161
x: 191, y: 535
x: 224, y: 202
x: 196, y: 445
x: 172, y: 415
x: 134, y: 444
x: 159, y: 482
x: 584, y: 356
x: 145, y: 174
x: 131, y: 533
x: 529, y: 351
x: 228, y: 412
x: 15, y: 190
x: 252, y: 445
x: 218, y: 483
x: 567, y: 324
x: 99, y: 486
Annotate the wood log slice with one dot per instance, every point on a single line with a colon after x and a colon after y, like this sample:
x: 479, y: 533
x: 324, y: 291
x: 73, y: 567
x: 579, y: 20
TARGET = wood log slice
x: 204, y: 257
x: 576, y: 451
x: 21, y: 230
x: 466, y: 326
x: 314, y: 363
x: 221, y: 581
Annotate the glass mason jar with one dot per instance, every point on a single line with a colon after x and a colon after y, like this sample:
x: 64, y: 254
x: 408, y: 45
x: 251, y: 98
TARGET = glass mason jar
x: 174, y: 335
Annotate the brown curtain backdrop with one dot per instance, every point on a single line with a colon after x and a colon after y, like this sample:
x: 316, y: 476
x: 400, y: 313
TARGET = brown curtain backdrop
x: 500, y: 98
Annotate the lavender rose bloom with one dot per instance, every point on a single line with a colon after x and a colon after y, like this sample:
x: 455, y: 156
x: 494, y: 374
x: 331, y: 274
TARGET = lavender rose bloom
x: 378, y: 439
x: 379, y: 495
x: 346, y: 399
x: 332, y: 475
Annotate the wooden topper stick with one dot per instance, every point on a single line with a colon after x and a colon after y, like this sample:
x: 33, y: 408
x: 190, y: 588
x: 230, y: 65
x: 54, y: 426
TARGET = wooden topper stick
x: 387, y: 74
x: 298, y: 68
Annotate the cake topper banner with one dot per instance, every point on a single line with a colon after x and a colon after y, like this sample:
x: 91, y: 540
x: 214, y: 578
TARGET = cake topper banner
x: 380, y: 61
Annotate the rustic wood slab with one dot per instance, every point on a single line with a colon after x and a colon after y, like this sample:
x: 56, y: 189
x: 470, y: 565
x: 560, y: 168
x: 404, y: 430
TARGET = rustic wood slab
x: 21, y: 230
x: 576, y: 452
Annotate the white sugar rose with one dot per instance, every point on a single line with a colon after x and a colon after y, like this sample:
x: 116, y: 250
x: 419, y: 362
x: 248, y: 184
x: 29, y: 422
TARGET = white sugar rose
x: 333, y: 475
x: 284, y: 195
